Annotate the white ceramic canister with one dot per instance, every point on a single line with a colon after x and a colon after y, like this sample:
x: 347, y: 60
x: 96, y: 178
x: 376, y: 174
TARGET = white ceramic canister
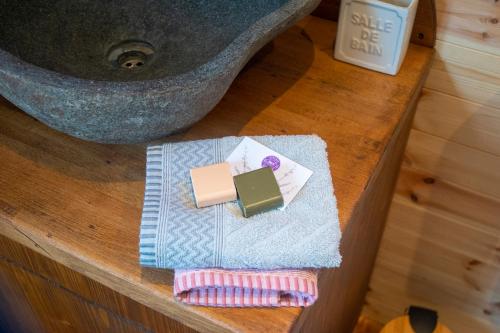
x: 375, y: 34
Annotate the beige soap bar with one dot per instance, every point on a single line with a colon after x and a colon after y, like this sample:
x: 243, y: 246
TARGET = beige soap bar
x: 213, y: 184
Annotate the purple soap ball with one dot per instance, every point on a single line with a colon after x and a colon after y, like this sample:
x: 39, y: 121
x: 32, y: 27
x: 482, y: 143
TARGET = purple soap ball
x: 271, y: 162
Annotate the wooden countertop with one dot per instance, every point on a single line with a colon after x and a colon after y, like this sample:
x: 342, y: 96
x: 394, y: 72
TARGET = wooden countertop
x: 79, y: 203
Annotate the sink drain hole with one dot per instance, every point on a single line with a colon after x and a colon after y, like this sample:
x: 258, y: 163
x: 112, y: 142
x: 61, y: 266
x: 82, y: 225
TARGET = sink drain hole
x: 132, y: 59
x: 131, y: 54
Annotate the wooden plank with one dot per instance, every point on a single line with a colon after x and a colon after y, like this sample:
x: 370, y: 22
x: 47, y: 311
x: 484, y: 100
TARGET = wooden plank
x: 459, y: 164
x: 16, y: 314
x: 463, y: 83
x: 459, y: 120
x: 470, y: 23
x: 433, y: 225
x: 74, y: 288
x: 79, y: 203
x: 466, y: 72
x: 480, y: 211
x: 397, y: 284
x: 63, y: 311
x: 477, y: 61
x: 469, y: 281
x: 425, y: 25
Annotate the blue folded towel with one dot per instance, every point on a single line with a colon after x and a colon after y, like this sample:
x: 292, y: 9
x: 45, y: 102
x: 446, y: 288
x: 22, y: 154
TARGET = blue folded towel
x: 176, y: 234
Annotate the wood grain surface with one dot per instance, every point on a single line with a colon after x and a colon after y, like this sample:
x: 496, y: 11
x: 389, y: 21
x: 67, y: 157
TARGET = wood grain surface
x: 471, y: 24
x: 79, y: 203
x: 55, y: 298
x: 348, y: 285
x: 367, y: 325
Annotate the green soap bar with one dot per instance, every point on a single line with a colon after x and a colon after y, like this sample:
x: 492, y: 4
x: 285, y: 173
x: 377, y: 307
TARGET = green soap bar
x: 258, y: 191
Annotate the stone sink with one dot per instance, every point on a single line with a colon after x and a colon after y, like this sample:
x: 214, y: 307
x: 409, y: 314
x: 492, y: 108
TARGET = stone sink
x: 124, y: 71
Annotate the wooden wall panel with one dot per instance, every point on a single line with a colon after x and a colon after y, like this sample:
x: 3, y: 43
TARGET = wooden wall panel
x: 441, y: 246
x: 470, y: 282
x: 471, y: 85
x: 441, y: 196
x: 467, y: 58
x: 459, y: 164
x: 459, y: 120
x: 415, y: 219
x: 472, y: 23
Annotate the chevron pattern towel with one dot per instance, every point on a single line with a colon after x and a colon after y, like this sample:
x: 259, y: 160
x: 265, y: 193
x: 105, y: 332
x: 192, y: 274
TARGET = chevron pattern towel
x: 176, y: 234
x: 245, y: 288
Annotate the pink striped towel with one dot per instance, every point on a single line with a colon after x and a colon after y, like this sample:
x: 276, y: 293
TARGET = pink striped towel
x: 246, y: 288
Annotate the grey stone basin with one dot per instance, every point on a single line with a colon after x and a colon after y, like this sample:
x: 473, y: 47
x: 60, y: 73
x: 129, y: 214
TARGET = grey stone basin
x: 122, y: 71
